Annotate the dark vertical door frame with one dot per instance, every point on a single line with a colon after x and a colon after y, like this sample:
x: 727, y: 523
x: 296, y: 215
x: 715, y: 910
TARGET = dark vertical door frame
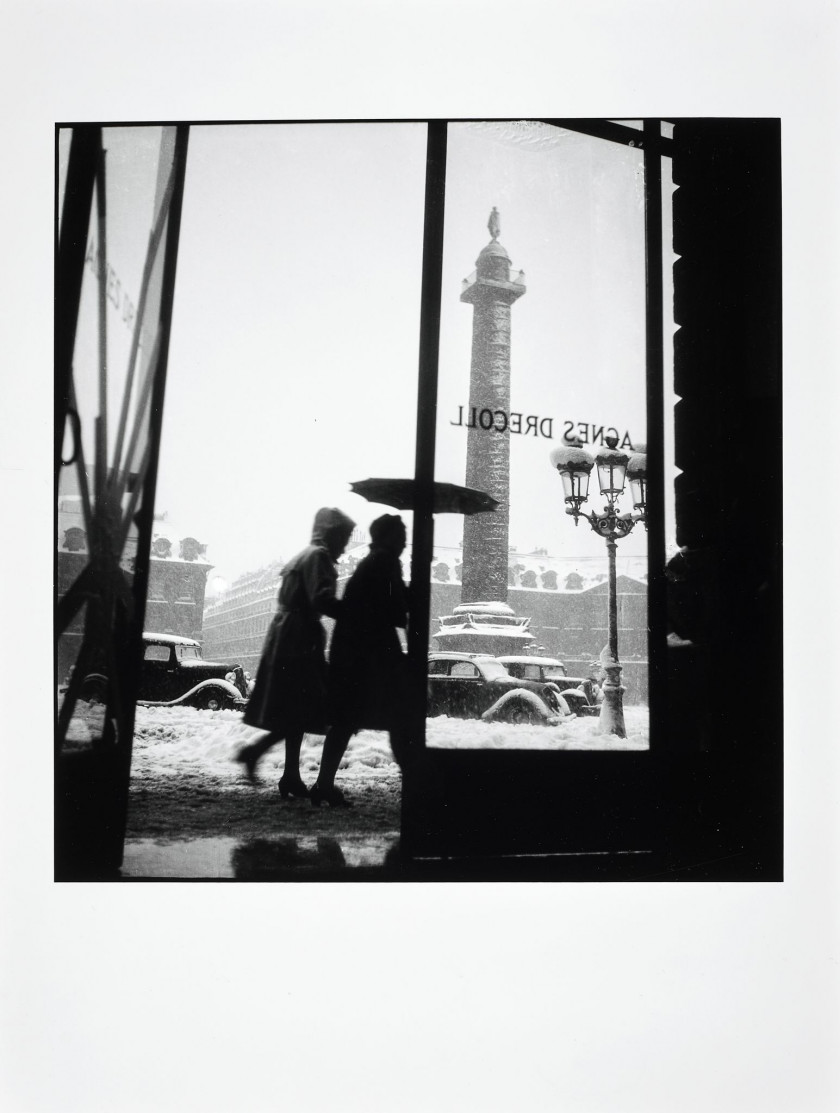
x: 427, y: 389
x: 655, y: 376
x: 71, y: 244
x: 144, y: 518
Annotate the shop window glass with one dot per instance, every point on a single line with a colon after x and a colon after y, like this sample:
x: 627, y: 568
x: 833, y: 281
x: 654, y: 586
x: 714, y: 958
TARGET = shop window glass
x: 542, y: 337
x: 106, y: 377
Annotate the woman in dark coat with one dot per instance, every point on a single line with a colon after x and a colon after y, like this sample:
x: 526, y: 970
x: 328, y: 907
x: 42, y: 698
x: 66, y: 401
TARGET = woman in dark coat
x: 366, y: 666
x: 290, y: 694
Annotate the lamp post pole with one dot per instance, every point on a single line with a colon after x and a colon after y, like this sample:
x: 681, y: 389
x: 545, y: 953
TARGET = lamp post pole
x: 614, y: 466
x: 611, y: 526
x: 612, y: 709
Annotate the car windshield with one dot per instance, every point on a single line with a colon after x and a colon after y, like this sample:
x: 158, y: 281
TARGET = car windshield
x: 188, y: 652
x: 554, y: 672
x: 492, y: 669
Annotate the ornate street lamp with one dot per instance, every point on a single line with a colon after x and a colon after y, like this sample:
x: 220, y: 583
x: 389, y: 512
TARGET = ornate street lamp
x: 614, y: 467
x: 637, y: 474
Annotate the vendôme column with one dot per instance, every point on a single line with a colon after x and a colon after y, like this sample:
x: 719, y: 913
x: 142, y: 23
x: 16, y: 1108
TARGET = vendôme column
x: 483, y: 622
x: 491, y: 290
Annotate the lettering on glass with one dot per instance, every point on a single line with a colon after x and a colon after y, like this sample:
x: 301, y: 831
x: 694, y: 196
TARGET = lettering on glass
x: 114, y: 290
x: 499, y: 421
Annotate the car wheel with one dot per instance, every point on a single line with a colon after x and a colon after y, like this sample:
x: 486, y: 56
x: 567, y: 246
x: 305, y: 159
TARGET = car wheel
x: 211, y: 700
x: 521, y: 715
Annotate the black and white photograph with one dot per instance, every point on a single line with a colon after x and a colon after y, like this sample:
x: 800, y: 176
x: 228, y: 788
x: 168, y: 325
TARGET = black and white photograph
x: 420, y: 589
x: 366, y: 529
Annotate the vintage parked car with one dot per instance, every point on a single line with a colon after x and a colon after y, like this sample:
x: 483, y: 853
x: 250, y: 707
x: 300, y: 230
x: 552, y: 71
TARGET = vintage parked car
x: 478, y: 686
x: 578, y: 691
x: 173, y: 673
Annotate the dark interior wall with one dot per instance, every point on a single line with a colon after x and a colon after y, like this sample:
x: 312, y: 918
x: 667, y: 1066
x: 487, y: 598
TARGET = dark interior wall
x: 726, y: 587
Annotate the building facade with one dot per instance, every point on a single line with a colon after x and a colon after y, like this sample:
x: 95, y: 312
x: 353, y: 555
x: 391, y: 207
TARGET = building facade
x: 566, y: 599
x: 178, y: 570
x: 236, y: 622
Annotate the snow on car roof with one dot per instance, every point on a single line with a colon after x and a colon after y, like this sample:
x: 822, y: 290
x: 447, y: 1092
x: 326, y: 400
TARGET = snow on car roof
x: 531, y: 660
x: 173, y: 639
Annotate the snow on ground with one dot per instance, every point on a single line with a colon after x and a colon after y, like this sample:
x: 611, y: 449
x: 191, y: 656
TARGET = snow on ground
x: 172, y: 740
x: 572, y: 734
x: 185, y: 785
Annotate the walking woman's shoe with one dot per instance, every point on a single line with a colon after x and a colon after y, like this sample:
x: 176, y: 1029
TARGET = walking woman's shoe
x: 249, y: 759
x: 288, y: 787
x: 332, y: 796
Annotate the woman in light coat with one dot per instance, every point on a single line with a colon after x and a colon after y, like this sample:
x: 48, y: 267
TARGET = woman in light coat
x: 290, y: 694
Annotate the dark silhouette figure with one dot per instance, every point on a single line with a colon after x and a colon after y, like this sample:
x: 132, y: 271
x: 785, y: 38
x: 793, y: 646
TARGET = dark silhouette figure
x: 367, y: 681
x: 290, y: 692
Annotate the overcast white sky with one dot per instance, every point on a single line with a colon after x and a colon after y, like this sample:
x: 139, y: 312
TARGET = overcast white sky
x: 294, y: 350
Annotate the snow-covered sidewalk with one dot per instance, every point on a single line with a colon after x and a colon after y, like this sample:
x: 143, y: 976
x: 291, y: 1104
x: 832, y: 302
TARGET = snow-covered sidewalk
x: 169, y: 741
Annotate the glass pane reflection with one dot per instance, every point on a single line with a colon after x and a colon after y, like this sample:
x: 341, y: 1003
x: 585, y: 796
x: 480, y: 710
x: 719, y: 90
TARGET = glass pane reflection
x: 107, y: 451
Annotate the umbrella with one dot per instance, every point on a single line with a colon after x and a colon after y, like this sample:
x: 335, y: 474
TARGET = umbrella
x: 449, y: 498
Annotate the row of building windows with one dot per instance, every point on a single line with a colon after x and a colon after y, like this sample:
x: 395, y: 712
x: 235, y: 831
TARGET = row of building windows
x: 253, y: 627
x: 518, y: 576
x: 74, y: 540
x: 226, y: 609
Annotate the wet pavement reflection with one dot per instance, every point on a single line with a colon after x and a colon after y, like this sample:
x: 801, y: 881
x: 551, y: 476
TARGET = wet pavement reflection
x: 285, y: 858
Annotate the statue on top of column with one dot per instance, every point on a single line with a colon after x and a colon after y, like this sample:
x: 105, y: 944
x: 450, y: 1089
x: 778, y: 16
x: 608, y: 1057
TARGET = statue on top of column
x: 493, y: 223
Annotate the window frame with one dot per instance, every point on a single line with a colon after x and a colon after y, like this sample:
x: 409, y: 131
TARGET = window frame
x: 427, y: 830
x: 654, y: 146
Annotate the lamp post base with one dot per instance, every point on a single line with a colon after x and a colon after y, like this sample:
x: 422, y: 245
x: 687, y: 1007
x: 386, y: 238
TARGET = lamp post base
x: 611, y: 719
